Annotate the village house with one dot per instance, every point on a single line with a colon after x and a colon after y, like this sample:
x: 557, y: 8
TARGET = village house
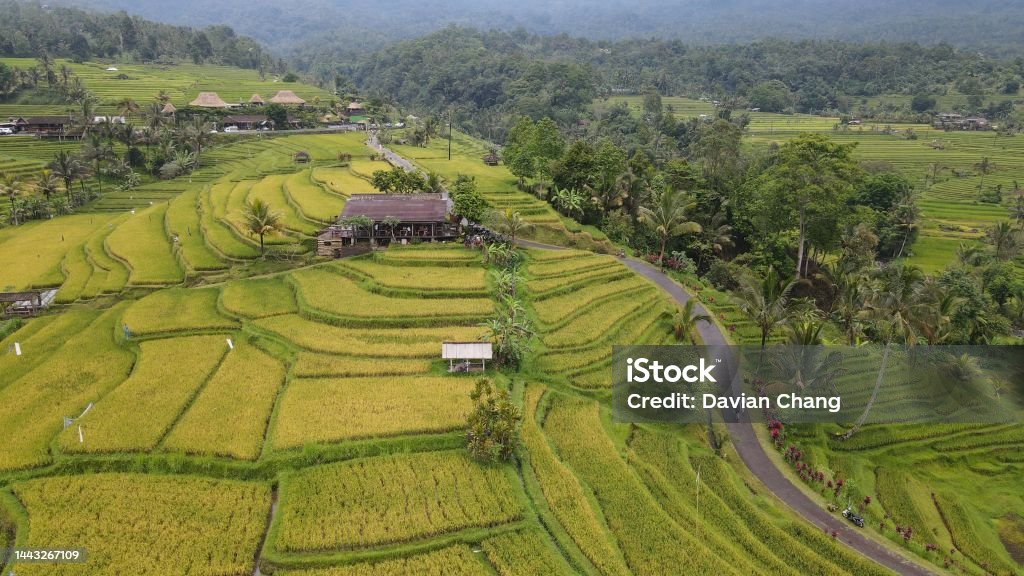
x: 287, y: 98
x: 951, y: 121
x: 356, y: 109
x: 246, y: 121
x: 208, y: 100
x: 256, y: 100
x: 47, y: 124
x: 390, y: 217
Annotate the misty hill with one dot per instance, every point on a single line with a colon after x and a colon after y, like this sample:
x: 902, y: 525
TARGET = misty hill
x: 357, y: 25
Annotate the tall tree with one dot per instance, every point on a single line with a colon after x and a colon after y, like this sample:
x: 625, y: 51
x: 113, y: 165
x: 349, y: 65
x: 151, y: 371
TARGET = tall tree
x: 810, y: 182
x: 894, y: 308
x: 260, y: 220
x: 669, y: 217
x: 766, y: 301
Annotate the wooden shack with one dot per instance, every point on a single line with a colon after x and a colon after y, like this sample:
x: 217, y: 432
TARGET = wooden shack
x: 384, y: 218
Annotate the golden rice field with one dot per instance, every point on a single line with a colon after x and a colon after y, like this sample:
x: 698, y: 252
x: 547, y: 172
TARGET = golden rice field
x: 333, y: 399
x: 392, y: 499
x: 134, y: 524
x: 373, y: 408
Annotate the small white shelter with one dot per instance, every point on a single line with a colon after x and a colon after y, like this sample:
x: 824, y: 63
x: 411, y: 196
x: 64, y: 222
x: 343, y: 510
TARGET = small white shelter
x: 463, y: 356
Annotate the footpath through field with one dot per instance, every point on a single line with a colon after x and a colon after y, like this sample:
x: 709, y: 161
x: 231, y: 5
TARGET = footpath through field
x: 742, y: 433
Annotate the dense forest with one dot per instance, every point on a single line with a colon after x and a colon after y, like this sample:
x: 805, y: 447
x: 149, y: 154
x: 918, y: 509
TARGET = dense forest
x: 493, y: 76
x: 347, y: 26
x: 32, y: 29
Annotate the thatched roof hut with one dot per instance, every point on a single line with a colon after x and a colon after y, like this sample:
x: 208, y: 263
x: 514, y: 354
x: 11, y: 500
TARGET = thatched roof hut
x: 287, y: 97
x: 168, y: 109
x: 208, y: 100
x: 256, y: 100
x: 301, y: 157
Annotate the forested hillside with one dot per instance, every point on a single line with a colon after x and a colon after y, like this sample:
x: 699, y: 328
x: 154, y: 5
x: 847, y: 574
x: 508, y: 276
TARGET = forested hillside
x: 494, y: 75
x: 351, y: 25
x: 32, y: 30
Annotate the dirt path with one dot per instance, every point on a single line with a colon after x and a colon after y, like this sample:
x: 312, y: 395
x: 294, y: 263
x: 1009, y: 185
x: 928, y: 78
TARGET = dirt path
x: 266, y: 533
x: 754, y: 457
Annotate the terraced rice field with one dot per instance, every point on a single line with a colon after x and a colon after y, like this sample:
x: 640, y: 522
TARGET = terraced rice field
x: 584, y: 304
x: 182, y: 82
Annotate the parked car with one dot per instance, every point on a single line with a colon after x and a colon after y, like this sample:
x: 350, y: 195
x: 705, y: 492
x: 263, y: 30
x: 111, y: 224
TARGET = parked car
x: 231, y: 129
x: 6, y: 131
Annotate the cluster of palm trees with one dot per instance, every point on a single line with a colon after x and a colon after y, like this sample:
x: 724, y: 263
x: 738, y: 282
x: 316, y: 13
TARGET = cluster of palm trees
x: 111, y: 152
x: 509, y: 329
x: 57, y: 78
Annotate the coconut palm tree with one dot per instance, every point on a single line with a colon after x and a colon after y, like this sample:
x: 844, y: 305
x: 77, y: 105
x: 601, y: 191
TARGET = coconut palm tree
x: 260, y: 220
x: 907, y: 215
x: 715, y: 236
x: 48, y: 183
x: 66, y: 167
x: 510, y: 222
x: 127, y: 107
x: 894, y: 307
x: 97, y: 151
x: 11, y: 187
x: 766, y: 302
x: 937, y: 307
x: 1005, y: 240
x: 669, y: 216
x: 1017, y: 211
x: 684, y: 322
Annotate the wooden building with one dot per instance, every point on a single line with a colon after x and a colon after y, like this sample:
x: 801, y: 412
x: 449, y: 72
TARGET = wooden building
x: 47, y: 124
x: 355, y: 109
x: 246, y: 121
x: 388, y: 218
x: 467, y: 356
x: 256, y: 100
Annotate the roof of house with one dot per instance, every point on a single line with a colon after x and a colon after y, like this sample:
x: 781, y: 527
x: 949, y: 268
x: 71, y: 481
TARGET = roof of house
x: 256, y: 99
x: 208, y: 100
x: 467, y: 350
x: 286, y: 97
x: 245, y: 119
x: 169, y: 109
x: 48, y: 120
x: 355, y: 106
x: 405, y: 207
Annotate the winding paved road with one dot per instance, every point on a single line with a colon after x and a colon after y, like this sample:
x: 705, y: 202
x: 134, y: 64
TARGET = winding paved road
x: 754, y: 457
x: 742, y: 433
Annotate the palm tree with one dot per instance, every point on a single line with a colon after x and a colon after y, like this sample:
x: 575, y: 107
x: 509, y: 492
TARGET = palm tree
x: 894, y: 306
x: 197, y: 135
x: 1005, y: 240
x: 766, y: 302
x: 715, y: 236
x: 907, y: 215
x: 66, y: 167
x: 511, y: 222
x: 937, y: 307
x: 668, y: 217
x: 97, y: 151
x: 11, y: 187
x: 48, y: 183
x: 684, y: 322
x: 260, y: 220
x: 127, y: 107
x: 1017, y: 211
